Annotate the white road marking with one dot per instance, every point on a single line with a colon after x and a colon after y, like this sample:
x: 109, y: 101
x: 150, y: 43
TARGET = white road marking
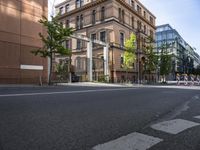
x: 133, y: 141
x: 66, y: 92
x: 174, y: 126
x: 197, y: 117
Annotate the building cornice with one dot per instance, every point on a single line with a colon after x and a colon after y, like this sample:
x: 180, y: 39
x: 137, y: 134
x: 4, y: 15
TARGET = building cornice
x: 97, y: 2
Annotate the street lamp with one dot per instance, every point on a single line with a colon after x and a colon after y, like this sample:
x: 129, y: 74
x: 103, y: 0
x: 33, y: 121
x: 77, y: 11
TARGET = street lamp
x: 138, y: 55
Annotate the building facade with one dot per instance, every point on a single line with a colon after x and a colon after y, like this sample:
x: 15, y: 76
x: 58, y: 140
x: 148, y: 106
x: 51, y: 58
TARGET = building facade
x: 110, y: 21
x: 19, y: 28
x: 184, y: 59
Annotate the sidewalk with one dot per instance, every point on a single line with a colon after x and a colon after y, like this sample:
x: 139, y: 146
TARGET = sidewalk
x: 97, y: 84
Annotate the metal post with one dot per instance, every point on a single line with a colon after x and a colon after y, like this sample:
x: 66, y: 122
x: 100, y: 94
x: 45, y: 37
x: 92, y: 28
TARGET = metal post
x: 89, y: 60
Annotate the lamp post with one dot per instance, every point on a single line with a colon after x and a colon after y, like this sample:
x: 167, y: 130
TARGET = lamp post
x: 112, y: 70
x: 138, y: 55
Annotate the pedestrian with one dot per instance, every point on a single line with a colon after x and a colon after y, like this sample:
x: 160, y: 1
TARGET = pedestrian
x: 177, y: 79
x: 185, y: 79
x: 198, y: 80
x: 192, y: 79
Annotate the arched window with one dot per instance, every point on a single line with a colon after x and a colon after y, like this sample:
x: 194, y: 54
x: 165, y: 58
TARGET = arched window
x: 93, y: 16
x: 78, y: 63
x: 123, y: 15
x: 77, y: 22
x: 81, y: 21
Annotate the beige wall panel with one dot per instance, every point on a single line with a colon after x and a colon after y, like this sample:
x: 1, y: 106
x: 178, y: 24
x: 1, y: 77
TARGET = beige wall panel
x: 9, y: 54
x: 9, y: 37
x: 32, y: 10
x: 15, y: 4
x: 35, y: 3
x: 28, y: 58
x: 10, y: 20
x: 31, y: 41
x: 30, y: 26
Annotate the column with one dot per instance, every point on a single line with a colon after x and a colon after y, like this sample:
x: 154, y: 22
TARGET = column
x: 89, y: 60
x: 105, y: 54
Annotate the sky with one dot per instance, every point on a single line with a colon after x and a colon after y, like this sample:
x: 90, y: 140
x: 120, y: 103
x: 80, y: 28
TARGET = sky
x: 182, y: 15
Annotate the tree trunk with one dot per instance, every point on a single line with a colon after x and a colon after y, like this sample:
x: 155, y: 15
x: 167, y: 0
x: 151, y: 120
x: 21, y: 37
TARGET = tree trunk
x: 126, y: 75
x: 50, y: 70
x: 149, y: 76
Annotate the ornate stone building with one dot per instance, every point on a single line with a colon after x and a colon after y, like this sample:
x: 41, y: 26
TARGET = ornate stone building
x: 19, y: 30
x: 110, y: 21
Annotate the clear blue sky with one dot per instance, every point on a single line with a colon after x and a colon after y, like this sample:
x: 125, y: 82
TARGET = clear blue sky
x: 182, y: 15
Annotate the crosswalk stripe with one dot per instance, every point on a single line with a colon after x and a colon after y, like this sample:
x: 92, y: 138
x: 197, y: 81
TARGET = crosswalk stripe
x: 174, y: 126
x: 133, y: 141
x: 197, y: 117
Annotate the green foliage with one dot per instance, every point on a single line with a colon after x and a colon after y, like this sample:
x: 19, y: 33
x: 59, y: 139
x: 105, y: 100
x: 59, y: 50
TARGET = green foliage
x: 165, y: 61
x: 151, y: 61
x: 56, y: 35
x: 53, y: 40
x: 103, y: 78
x: 129, y: 59
x: 129, y: 54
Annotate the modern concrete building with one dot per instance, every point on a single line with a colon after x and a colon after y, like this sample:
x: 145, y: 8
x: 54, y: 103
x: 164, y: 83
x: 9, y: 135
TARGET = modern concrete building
x: 110, y: 21
x: 19, y: 30
x: 185, y: 59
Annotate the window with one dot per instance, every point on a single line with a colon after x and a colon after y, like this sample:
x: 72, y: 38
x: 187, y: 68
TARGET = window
x: 81, y: 21
x: 61, y: 11
x: 67, y: 44
x: 139, y: 9
x: 93, y: 37
x: 151, y: 33
x: 151, y: 19
x: 103, y: 36
x: 121, y: 61
x: 132, y: 4
x: 81, y: 3
x: 121, y: 39
x: 123, y: 16
x: 144, y: 14
x: 78, y: 63
x: 67, y: 23
x: 78, y: 3
x: 93, y: 16
x: 119, y: 13
x: 145, y: 29
x: 78, y: 44
x: 139, y: 24
x: 67, y: 8
x: 77, y: 22
x: 102, y: 13
x: 132, y: 22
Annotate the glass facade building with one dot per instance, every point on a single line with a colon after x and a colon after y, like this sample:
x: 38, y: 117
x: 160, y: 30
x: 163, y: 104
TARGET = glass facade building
x: 183, y: 59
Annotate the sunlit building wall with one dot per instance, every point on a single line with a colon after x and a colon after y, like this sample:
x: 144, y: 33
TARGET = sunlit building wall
x: 19, y: 30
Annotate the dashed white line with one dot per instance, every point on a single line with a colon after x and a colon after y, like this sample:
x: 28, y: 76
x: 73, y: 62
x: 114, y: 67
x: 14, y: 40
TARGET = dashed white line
x: 65, y: 92
x: 197, y: 117
x: 133, y: 141
x: 174, y: 126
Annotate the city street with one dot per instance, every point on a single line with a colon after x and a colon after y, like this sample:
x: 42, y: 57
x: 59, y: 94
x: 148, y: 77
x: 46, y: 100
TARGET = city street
x: 99, y: 118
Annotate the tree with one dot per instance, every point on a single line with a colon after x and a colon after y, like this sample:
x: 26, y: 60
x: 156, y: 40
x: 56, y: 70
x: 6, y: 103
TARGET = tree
x: 165, y: 62
x: 197, y: 70
x: 53, y: 41
x: 129, y: 54
x: 151, y: 60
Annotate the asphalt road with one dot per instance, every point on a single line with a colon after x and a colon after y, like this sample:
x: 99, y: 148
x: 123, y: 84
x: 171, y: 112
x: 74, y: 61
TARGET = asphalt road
x: 79, y: 118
